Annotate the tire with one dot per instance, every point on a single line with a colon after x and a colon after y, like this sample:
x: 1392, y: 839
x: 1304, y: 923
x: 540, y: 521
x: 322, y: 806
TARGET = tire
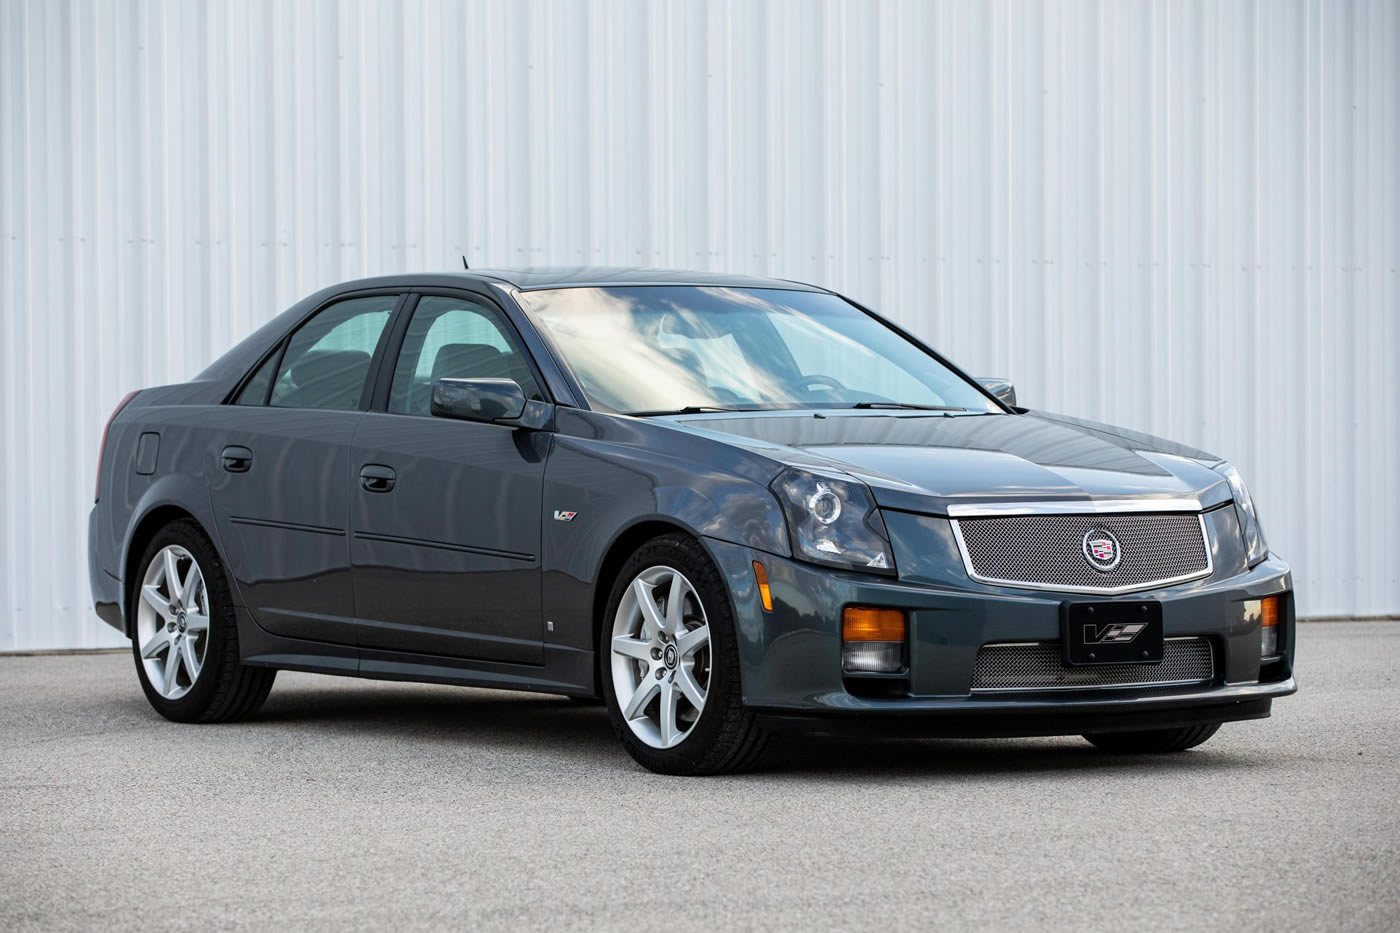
x: 696, y: 653
x: 1158, y: 741
x: 196, y: 624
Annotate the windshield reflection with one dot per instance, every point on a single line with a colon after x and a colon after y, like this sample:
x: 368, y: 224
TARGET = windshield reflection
x: 642, y: 349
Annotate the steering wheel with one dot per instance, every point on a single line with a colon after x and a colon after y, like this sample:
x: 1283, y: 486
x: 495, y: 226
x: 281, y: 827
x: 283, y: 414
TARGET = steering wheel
x: 820, y: 381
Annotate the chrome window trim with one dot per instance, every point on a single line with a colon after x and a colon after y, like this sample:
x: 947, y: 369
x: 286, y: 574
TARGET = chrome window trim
x: 1094, y: 687
x: 1099, y: 590
x: 1071, y: 507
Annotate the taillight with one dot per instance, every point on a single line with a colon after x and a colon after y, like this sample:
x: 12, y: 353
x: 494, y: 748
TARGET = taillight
x: 102, y: 448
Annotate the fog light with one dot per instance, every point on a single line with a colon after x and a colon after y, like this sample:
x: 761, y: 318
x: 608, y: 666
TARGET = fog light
x: 872, y: 640
x: 1268, y: 627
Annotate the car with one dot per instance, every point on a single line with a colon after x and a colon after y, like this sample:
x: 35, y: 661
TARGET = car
x: 729, y: 507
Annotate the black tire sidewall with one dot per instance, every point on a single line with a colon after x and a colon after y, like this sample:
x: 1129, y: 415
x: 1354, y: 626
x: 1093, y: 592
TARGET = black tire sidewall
x: 222, y: 648
x: 694, y: 752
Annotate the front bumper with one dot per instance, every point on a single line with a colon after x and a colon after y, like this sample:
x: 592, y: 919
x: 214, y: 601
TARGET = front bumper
x: 791, y: 657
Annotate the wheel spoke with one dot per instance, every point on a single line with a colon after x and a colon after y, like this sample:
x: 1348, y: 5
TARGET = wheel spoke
x: 172, y: 667
x: 646, y: 602
x: 675, y: 605
x: 640, y: 698
x: 188, y: 657
x: 195, y: 622
x: 158, y: 641
x: 156, y: 601
x: 172, y: 576
x: 686, y: 685
x: 669, y: 696
x: 659, y: 656
x: 693, y: 640
x: 194, y: 582
x: 632, y: 648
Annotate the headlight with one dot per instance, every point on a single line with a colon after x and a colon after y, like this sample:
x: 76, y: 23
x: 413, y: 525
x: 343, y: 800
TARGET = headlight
x: 1254, y: 544
x: 833, y: 521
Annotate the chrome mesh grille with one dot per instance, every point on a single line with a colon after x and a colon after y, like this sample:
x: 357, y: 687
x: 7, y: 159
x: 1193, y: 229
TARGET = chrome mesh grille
x: 1048, y: 550
x: 1040, y: 666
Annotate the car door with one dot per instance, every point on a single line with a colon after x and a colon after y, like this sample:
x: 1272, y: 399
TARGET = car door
x: 445, y: 514
x: 279, y: 471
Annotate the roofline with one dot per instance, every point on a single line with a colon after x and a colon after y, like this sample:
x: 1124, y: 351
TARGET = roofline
x: 504, y: 278
x: 778, y: 285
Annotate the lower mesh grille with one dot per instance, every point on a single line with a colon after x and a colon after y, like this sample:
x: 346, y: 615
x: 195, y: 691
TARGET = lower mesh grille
x: 1040, y: 666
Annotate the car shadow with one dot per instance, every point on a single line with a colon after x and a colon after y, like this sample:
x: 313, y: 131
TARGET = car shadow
x: 557, y: 727
x: 446, y: 714
x: 858, y: 760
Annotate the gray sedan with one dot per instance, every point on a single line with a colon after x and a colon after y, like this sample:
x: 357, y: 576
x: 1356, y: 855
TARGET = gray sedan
x: 725, y: 506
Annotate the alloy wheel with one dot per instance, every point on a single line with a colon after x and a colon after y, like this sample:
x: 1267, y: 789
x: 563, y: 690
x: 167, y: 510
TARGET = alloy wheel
x: 172, y: 621
x: 661, y: 656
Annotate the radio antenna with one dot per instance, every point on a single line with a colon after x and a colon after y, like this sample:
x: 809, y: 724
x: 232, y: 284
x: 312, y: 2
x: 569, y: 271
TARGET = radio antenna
x: 464, y: 263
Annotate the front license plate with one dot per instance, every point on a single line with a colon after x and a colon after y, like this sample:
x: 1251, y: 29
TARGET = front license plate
x: 1111, y: 633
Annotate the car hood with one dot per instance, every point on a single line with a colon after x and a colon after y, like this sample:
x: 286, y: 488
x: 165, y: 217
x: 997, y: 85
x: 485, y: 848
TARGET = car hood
x: 929, y: 462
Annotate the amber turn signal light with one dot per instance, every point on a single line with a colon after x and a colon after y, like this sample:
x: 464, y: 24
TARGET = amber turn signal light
x: 1268, y: 611
x: 865, y: 623
x: 1268, y: 627
x: 760, y: 574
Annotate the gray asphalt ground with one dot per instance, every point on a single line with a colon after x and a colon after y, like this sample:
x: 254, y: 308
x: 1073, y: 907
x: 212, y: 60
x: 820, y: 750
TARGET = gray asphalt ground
x: 354, y: 805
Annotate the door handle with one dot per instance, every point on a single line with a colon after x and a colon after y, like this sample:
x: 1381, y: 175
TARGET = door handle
x: 237, y: 459
x: 376, y: 478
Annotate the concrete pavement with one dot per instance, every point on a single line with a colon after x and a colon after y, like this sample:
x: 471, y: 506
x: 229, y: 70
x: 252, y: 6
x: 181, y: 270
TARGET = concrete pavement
x: 352, y: 804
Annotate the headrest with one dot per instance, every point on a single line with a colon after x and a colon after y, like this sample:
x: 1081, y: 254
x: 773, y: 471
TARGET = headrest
x: 469, y: 361
x: 319, y: 365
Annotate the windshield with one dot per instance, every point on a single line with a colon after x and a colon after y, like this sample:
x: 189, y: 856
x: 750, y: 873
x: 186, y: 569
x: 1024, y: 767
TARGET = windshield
x: 653, y: 349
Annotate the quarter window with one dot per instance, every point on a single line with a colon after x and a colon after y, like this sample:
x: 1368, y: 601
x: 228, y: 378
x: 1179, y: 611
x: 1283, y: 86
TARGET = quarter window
x: 454, y: 338
x: 256, y: 389
x: 328, y: 357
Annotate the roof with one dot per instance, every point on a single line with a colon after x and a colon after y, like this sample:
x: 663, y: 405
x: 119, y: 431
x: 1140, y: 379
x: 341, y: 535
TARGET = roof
x: 529, y: 277
x: 535, y: 277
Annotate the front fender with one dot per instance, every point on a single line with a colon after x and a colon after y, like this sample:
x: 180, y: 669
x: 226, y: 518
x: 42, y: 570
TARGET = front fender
x: 615, y: 475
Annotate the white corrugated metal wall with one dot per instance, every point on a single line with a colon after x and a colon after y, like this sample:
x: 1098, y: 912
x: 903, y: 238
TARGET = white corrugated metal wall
x: 1179, y: 217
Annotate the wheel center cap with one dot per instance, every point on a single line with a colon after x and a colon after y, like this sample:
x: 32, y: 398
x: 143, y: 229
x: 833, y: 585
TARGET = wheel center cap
x: 669, y: 656
x: 180, y: 619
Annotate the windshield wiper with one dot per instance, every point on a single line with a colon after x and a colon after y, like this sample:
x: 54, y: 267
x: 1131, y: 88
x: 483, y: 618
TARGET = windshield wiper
x: 687, y: 410
x: 909, y: 405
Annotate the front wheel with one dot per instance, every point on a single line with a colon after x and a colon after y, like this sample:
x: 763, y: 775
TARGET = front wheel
x: 184, y: 637
x: 1156, y: 741
x: 671, y: 664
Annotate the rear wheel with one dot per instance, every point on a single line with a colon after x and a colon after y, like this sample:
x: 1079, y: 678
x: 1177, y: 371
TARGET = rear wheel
x: 184, y: 637
x: 1155, y: 742
x: 671, y: 664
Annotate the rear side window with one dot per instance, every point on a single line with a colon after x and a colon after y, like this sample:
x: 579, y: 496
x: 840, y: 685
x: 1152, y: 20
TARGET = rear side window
x: 454, y: 338
x: 328, y: 357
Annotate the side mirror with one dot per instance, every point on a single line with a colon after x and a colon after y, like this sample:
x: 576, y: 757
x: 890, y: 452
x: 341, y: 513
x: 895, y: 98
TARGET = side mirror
x: 1001, y: 388
x: 488, y: 400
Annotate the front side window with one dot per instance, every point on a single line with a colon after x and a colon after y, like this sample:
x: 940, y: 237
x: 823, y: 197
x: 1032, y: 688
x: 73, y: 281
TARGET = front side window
x: 328, y: 357
x: 643, y: 349
x: 454, y: 338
